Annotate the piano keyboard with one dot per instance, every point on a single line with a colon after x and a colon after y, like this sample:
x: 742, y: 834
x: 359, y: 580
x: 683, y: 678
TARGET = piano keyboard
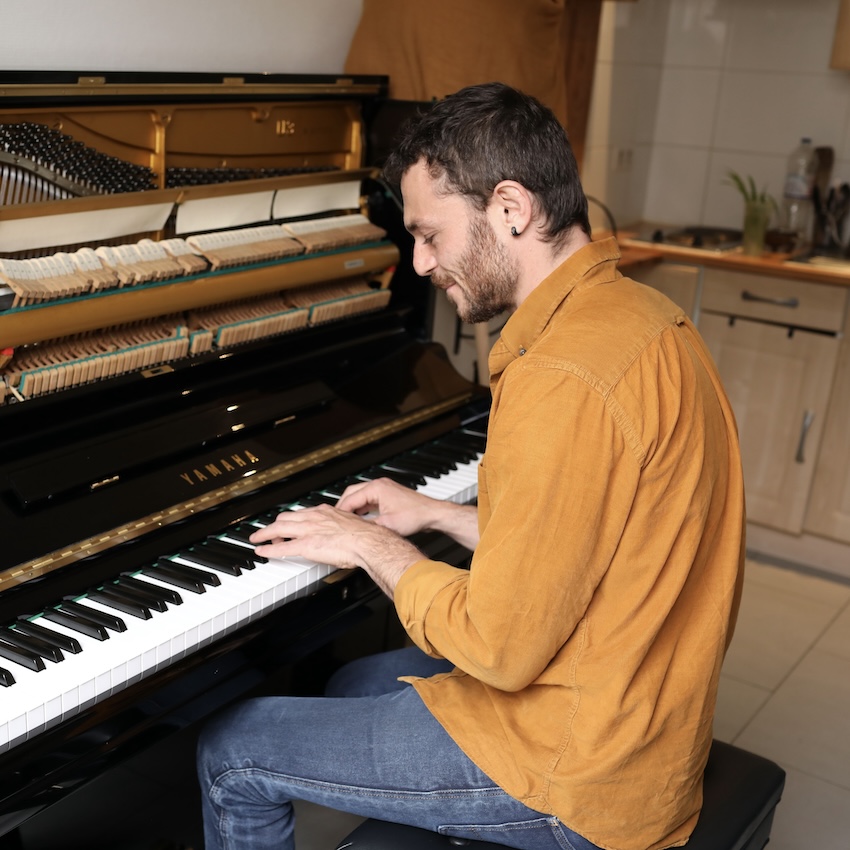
x: 55, y: 664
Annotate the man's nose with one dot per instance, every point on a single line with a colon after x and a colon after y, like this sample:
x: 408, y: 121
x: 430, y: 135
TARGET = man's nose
x: 424, y: 261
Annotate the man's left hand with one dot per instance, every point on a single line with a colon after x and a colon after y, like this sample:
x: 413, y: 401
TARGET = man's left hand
x: 330, y: 536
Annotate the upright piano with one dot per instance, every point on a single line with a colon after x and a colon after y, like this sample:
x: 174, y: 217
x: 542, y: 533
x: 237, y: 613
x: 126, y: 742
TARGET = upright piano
x: 201, y: 324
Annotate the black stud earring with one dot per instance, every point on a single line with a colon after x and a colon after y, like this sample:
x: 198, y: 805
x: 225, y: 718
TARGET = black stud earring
x: 514, y: 232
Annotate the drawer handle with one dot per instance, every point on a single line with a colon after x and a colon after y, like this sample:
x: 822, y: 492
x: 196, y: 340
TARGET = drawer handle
x: 793, y: 303
x: 808, y: 418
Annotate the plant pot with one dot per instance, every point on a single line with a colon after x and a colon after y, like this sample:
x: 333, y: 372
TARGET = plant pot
x: 756, y: 219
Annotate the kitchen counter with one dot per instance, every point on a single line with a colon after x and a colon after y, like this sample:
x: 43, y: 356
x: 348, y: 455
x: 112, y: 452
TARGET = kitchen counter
x: 637, y: 252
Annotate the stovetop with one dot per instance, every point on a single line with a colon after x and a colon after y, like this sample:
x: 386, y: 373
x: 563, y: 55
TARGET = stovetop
x: 707, y: 238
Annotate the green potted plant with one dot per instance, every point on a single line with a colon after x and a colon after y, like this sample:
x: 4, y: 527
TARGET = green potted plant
x: 759, y: 207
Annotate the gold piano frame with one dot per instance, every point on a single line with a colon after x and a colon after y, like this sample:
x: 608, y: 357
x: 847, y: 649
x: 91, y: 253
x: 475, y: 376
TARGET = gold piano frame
x: 233, y: 122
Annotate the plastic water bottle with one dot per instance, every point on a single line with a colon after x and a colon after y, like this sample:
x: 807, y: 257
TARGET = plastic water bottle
x: 796, y: 212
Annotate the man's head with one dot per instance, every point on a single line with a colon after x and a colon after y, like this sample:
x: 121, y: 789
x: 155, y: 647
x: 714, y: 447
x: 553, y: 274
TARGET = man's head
x: 488, y: 133
x: 477, y: 170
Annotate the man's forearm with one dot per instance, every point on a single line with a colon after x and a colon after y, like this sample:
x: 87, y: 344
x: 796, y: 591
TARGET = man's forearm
x: 460, y: 522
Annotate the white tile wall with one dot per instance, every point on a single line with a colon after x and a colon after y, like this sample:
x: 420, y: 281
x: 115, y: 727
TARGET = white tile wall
x: 785, y: 36
x: 697, y: 33
x: 682, y: 117
x: 688, y: 89
x: 763, y: 111
x: 675, y: 184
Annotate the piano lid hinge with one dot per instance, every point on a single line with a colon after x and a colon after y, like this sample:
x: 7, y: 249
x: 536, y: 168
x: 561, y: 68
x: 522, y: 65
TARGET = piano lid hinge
x: 91, y: 81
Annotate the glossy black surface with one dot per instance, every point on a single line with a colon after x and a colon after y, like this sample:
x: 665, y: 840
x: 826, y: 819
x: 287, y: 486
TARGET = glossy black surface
x: 292, y: 396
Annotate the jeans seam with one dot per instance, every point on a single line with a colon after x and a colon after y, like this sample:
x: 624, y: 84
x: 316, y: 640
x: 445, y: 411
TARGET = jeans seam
x: 551, y: 822
x: 377, y: 793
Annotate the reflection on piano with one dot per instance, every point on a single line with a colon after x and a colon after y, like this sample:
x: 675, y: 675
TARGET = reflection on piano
x: 189, y: 345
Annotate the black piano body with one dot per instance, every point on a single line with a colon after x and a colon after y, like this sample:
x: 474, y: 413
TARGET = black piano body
x: 105, y: 476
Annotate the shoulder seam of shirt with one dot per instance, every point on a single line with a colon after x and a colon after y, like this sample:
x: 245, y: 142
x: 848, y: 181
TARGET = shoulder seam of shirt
x: 630, y: 433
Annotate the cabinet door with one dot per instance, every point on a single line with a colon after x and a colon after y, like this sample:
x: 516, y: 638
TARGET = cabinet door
x: 778, y: 383
x: 679, y: 282
x: 828, y: 513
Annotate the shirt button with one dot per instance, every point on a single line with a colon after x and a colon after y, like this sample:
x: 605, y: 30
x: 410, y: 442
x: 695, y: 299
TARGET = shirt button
x: 521, y: 352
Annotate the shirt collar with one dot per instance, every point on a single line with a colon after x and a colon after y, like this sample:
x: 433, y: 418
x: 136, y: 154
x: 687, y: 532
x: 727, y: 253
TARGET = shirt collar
x: 594, y: 263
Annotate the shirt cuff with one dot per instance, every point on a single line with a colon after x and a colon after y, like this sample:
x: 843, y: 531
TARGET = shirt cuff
x: 416, y: 592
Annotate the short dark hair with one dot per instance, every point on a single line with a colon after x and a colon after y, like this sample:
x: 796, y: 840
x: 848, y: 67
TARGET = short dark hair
x: 487, y: 133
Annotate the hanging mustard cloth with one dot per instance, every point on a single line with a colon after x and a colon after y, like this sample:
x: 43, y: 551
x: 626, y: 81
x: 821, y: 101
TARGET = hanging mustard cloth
x: 431, y: 48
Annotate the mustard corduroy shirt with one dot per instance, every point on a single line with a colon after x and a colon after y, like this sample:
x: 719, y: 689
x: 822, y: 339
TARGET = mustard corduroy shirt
x: 589, y: 632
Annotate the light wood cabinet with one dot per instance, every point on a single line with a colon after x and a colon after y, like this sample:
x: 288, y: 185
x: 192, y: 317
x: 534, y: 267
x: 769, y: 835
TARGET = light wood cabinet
x: 782, y: 346
x: 778, y: 382
x: 678, y: 281
x: 828, y: 513
x: 776, y: 344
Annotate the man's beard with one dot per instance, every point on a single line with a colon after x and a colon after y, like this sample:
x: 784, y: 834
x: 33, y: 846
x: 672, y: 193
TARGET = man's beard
x: 489, y: 275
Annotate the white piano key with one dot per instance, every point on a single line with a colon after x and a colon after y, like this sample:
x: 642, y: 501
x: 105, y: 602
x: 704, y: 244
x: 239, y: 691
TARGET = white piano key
x: 39, y: 700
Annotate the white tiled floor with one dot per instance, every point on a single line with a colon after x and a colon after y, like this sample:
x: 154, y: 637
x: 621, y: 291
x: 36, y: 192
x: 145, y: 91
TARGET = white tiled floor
x: 785, y: 694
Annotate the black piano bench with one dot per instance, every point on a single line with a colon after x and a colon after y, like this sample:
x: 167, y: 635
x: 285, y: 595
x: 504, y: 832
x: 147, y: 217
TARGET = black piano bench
x: 741, y: 791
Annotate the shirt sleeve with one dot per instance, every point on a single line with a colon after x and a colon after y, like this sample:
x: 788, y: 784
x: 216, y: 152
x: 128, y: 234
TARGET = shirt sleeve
x: 559, y: 474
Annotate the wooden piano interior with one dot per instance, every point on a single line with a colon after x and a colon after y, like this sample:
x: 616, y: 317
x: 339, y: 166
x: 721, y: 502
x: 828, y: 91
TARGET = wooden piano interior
x: 197, y: 328
x: 113, y: 217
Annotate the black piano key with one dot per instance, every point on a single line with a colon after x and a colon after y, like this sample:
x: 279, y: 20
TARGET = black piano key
x: 120, y: 603
x: 242, y: 532
x: 459, y: 454
x: 6, y: 678
x: 408, y: 464
x: 164, y: 572
x: 203, y: 576
x: 30, y: 660
x: 115, y: 624
x: 311, y: 500
x: 475, y: 441
x: 78, y: 624
x: 430, y: 455
x: 31, y: 644
x: 269, y: 517
x: 244, y: 557
x: 438, y: 466
x: 338, y: 488
x: 407, y: 479
x: 64, y: 642
x: 164, y: 594
x: 149, y: 601
x: 205, y: 557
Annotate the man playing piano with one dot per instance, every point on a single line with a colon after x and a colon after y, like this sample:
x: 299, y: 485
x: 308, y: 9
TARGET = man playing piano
x: 560, y: 692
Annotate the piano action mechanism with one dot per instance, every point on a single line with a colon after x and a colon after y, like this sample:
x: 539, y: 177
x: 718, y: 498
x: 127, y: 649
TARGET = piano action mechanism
x: 198, y: 329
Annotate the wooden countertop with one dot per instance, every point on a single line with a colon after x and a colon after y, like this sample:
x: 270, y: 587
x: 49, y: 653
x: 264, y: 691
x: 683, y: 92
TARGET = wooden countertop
x: 636, y: 252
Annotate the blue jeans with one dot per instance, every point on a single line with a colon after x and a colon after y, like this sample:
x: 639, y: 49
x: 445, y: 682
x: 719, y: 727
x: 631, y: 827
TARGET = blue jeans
x: 377, y: 753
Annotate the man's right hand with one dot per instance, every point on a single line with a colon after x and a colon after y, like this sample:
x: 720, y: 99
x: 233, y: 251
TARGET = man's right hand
x: 396, y: 507
x: 407, y: 512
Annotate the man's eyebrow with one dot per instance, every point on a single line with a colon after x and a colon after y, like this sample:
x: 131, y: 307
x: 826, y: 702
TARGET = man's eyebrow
x: 413, y: 226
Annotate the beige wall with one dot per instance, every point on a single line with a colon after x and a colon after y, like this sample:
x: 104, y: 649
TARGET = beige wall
x: 250, y: 36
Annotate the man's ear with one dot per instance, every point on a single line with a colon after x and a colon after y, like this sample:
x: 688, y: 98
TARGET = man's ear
x: 515, y: 206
